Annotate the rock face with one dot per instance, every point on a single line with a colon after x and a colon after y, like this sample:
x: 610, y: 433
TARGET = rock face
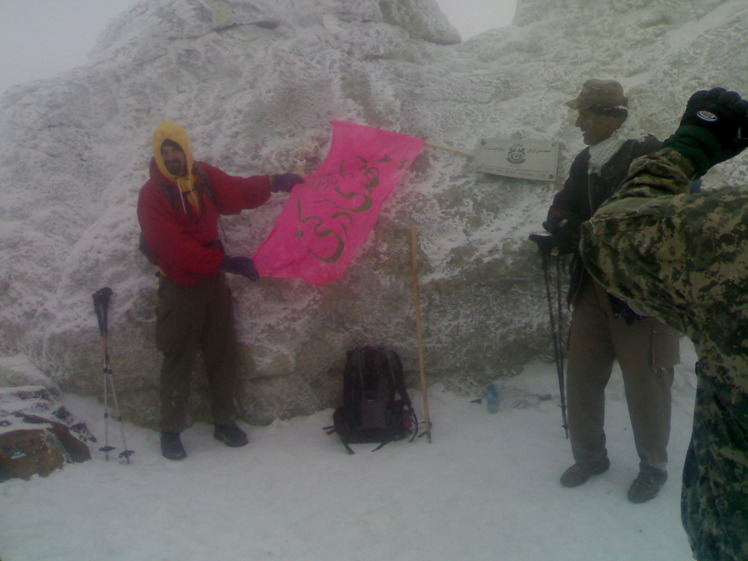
x: 37, y: 434
x: 256, y: 84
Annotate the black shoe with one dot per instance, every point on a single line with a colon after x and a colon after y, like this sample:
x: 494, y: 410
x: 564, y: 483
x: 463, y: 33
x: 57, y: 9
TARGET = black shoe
x: 578, y: 474
x: 231, y: 435
x: 646, y: 485
x: 171, y: 446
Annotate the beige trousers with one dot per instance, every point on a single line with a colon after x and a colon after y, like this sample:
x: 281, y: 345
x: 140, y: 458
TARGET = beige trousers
x: 646, y: 351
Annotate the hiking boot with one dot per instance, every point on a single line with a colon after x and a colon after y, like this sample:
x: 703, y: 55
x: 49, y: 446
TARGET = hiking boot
x: 231, y: 435
x: 171, y: 446
x: 578, y: 474
x: 646, y: 485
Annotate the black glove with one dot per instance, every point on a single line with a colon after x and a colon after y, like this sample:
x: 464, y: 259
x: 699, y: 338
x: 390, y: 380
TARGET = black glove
x: 284, y: 182
x: 546, y: 243
x: 709, y: 129
x: 564, y: 244
x: 564, y: 230
x: 243, y: 266
x: 567, y: 240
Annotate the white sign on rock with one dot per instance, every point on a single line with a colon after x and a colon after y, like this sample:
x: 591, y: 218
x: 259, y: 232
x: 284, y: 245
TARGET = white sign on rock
x: 525, y: 159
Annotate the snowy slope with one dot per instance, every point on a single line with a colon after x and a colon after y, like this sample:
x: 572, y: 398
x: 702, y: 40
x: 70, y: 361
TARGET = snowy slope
x: 485, y: 489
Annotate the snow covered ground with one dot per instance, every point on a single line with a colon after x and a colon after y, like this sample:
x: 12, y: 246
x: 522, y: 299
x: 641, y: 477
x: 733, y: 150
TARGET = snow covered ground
x: 485, y: 489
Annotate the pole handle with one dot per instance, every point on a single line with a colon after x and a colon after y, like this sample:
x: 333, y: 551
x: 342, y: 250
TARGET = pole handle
x: 546, y: 244
x: 101, y: 307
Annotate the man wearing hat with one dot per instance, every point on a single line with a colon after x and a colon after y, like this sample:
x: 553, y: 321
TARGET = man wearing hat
x: 604, y: 328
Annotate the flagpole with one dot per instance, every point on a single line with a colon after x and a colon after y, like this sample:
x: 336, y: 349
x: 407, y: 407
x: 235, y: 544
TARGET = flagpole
x: 416, y: 297
x: 449, y: 148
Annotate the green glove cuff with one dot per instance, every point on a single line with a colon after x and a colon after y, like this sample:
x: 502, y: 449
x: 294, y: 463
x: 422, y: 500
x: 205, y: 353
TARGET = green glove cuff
x: 697, y: 144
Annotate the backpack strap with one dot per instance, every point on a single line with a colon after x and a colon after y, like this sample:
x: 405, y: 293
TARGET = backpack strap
x: 339, y: 412
x: 347, y: 446
x: 396, y: 370
x: 204, y: 183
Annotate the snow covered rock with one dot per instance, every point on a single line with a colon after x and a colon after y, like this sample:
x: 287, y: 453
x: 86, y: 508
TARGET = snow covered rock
x: 37, y: 434
x: 256, y: 84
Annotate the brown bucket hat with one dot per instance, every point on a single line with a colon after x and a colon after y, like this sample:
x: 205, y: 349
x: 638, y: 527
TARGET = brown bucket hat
x: 601, y: 95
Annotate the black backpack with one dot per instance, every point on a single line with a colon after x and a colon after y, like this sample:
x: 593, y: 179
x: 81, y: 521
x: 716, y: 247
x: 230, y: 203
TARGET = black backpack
x: 376, y: 406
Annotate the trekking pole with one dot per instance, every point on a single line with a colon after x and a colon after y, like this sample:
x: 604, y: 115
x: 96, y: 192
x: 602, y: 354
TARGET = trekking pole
x: 546, y: 247
x: 558, y: 336
x: 419, y: 338
x: 101, y: 301
x: 101, y: 307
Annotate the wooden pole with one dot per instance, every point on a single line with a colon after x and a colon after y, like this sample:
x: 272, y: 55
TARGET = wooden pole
x: 416, y: 298
x: 449, y: 148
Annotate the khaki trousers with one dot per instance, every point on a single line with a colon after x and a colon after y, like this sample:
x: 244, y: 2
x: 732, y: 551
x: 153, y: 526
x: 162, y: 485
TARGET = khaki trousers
x: 192, y: 318
x: 646, y: 352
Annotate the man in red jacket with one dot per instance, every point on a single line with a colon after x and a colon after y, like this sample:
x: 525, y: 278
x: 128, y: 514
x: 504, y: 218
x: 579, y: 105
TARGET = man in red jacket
x: 178, y: 211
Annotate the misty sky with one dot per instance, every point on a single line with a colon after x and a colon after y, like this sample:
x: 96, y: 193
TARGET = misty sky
x: 41, y: 38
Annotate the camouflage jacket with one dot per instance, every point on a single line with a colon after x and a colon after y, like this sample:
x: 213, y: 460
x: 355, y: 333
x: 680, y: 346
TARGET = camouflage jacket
x: 683, y: 258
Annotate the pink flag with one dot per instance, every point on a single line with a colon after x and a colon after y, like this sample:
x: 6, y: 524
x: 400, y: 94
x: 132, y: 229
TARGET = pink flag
x: 326, y: 219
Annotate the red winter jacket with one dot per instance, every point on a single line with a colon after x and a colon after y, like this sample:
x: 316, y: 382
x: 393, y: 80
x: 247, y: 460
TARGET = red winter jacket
x: 187, y: 245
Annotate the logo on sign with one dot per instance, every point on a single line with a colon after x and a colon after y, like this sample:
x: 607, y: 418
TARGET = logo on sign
x: 516, y: 154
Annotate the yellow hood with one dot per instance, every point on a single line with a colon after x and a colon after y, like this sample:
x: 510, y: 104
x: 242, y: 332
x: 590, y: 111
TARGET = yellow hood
x: 171, y: 131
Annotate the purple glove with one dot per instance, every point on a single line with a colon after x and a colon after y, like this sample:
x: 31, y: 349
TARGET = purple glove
x: 284, y: 182
x: 243, y: 266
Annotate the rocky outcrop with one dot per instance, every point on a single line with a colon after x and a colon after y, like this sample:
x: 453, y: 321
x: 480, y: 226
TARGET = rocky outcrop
x: 256, y: 84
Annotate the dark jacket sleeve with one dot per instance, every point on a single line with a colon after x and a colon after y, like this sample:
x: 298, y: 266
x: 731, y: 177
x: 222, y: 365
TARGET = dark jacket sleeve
x: 570, y: 206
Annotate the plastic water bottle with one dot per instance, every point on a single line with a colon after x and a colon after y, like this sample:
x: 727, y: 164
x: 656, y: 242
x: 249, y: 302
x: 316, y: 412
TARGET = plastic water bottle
x: 492, y: 399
